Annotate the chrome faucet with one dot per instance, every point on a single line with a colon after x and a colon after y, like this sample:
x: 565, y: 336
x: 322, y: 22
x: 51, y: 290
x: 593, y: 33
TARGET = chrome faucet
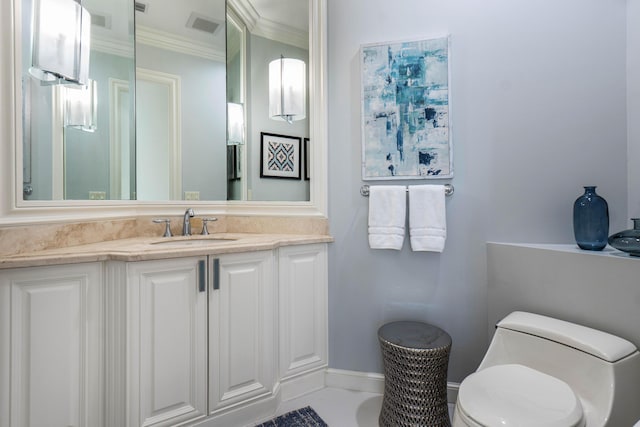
x: 186, y: 225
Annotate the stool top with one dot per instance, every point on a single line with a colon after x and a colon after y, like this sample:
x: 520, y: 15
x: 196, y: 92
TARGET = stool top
x: 416, y: 335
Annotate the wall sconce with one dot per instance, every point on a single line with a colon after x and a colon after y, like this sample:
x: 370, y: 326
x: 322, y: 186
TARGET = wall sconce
x: 287, y: 89
x: 235, y: 124
x: 61, y: 41
x: 80, y: 106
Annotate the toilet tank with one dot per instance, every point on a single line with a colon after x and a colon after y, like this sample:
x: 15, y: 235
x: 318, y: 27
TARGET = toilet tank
x: 602, y: 369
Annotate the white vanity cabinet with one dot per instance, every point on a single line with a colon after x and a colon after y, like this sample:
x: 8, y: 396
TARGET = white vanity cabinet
x: 200, y: 336
x: 166, y: 335
x: 241, y: 328
x: 202, y: 340
x: 51, y: 364
x: 302, y: 290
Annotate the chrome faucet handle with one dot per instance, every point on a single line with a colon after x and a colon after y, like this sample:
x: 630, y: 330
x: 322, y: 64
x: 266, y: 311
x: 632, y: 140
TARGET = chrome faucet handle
x: 186, y: 224
x: 205, y: 232
x: 167, y: 228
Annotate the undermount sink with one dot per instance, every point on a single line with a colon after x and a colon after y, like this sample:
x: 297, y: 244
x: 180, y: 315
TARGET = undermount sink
x: 194, y: 241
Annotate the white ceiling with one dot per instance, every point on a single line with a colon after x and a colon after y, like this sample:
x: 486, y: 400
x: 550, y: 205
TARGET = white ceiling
x: 170, y: 17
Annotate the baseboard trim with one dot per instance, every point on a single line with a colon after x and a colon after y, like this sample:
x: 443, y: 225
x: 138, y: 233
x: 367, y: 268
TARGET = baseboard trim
x: 371, y: 382
x: 452, y: 392
x: 355, y: 380
x: 291, y: 388
x: 265, y: 407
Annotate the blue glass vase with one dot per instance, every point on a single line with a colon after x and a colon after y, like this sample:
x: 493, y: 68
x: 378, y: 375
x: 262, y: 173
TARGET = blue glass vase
x: 628, y: 240
x: 591, y: 220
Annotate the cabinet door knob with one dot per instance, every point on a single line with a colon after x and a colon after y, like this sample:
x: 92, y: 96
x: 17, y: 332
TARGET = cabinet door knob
x: 202, y: 287
x: 216, y: 274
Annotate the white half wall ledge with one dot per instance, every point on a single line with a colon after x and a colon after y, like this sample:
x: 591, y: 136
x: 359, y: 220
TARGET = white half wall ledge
x: 571, y: 248
x: 595, y: 289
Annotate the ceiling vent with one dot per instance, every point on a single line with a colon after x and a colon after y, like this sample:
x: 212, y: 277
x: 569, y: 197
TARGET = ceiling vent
x: 102, y: 21
x: 203, y: 23
x: 141, y: 7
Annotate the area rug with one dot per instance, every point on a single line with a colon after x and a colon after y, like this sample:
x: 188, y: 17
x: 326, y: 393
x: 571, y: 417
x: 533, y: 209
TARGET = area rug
x: 304, y: 417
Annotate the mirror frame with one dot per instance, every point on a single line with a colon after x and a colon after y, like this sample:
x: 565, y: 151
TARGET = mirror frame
x: 15, y: 210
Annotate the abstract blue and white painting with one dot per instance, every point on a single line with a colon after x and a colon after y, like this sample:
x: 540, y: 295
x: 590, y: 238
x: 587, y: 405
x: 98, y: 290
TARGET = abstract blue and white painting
x: 405, y: 110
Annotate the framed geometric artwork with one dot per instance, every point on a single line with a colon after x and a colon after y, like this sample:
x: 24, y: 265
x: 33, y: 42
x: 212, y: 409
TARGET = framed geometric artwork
x: 307, y: 160
x: 406, y: 132
x: 231, y: 163
x: 234, y: 162
x: 280, y: 156
x: 237, y: 152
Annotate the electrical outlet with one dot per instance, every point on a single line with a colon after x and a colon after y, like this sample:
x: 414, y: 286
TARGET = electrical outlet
x: 192, y: 195
x: 97, y: 195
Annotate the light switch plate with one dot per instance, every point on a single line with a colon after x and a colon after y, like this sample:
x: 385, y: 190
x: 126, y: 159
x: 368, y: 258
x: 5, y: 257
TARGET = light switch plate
x: 97, y: 195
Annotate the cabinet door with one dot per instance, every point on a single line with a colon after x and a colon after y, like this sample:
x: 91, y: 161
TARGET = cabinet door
x: 241, y: 327
x: 167, y: 342
x: 53, y: 335
x: 302, y: 308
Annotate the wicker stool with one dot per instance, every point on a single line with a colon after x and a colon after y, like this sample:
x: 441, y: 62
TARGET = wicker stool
x: 415, y: 357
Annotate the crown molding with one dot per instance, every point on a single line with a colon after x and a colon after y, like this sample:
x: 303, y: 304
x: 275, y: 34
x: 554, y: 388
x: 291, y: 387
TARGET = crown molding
x: 112, y: 46
x: 168, y: 41
x: 266, y: 28
x: 246, y: 12
x: 159, y: 39
x: 282, y: 33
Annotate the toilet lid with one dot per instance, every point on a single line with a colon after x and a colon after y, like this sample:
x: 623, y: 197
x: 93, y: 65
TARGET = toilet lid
x: 515, y: 395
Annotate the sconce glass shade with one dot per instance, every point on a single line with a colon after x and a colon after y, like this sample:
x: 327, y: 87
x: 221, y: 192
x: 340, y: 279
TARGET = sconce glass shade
x: 287, y: 89
x: 61, y: 41
x: 80, y: 106
x: 235, y: 124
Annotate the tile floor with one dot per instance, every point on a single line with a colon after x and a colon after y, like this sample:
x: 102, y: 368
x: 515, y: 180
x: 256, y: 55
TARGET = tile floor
x: 341, y: 408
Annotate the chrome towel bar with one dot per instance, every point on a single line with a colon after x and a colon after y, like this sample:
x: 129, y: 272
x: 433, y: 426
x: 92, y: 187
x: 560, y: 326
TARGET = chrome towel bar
x: 448, y: 190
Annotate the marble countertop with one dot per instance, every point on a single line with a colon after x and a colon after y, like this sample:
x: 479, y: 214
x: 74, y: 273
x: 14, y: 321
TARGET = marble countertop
x: 149, y: 248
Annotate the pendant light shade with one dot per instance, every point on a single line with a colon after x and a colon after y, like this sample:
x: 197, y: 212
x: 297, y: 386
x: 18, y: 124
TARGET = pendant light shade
x: 287, y: 89
x: 235, y: 124
x: 81, y: 104
x: 61, y: 41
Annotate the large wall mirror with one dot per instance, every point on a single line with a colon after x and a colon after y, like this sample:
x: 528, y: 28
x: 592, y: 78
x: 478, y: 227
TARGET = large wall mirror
x: 71, y: 143
x: 174, y: 104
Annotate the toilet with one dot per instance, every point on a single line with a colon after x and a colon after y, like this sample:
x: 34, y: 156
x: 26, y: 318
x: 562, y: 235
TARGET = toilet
x: 544, y: 372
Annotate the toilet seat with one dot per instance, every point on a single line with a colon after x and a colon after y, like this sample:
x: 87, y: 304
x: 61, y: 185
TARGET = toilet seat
x: 515, y: 395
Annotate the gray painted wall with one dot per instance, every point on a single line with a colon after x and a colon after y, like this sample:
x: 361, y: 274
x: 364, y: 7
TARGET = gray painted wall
x: 562, y: 281
x: 204, y: 148
x: 538, y: 110
x: 261, y: 52
x: 87, y: 154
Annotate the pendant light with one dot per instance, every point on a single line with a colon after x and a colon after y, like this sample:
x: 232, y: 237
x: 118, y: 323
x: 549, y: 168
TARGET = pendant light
x: 61, y: 41
x: 287, y: 89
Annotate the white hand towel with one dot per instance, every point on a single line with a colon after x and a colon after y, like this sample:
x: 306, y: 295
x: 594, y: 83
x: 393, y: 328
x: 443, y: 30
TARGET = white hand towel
x: 427, y: 217
x: 387, y: 216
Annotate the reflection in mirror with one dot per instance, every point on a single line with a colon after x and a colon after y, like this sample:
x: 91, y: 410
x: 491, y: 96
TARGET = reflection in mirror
x: 236, y: 118
x: 158, y: 130
x: 274, y: 29
x: 64, y: 158
x: 181, y: 103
